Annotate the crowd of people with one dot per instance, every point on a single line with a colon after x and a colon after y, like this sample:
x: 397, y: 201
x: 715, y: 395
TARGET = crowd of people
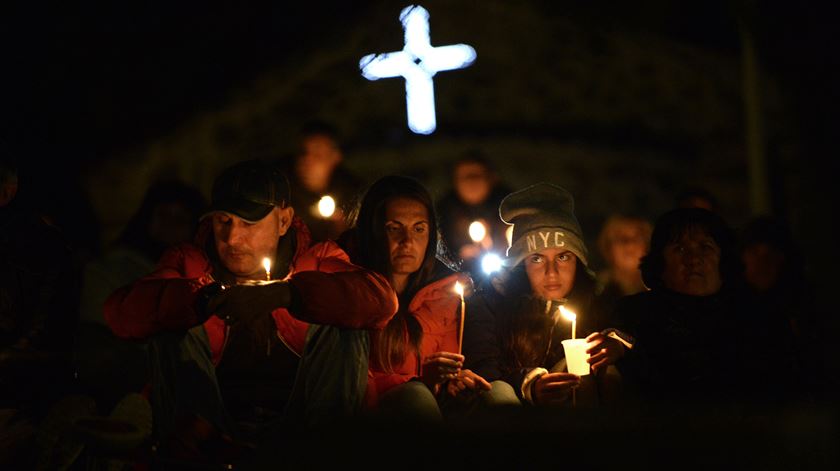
x: 220, y: 333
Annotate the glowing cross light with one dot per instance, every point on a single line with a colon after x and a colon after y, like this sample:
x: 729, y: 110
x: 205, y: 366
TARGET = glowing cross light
x: 267, y: 266
x: 477, y: 231
x: 326, y: 206
x: 569, y: 316
x: 417, y: 63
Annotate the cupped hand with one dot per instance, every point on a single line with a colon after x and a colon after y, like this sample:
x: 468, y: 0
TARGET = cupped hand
x: 554, y: 388
x: 466, y: 380
x: 603, y: 351
x: 440, y: 367
x: 246, y: 302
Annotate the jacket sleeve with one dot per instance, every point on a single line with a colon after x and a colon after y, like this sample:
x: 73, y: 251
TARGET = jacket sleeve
x: 333, y: 291
x: 164, y: 300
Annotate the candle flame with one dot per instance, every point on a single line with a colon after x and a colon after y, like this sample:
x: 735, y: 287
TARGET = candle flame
x: 459, y: 288
x: 326, y: 206
x: 477, y: 231
x: 267, y: 264
x: 567, y: 314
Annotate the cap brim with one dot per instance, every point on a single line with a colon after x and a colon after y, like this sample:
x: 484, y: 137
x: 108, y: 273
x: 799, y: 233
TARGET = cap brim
x: 247, y: 210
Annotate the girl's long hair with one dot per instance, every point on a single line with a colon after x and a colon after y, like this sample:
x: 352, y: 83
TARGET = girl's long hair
x: 530, y: 327
x: 369, y: 248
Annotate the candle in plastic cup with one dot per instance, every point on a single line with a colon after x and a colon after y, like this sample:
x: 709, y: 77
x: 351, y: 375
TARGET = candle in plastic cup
x: 576, y: 356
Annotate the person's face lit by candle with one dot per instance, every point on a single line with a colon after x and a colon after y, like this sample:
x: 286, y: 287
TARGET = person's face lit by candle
x: 692, y: 264
x: 242, y: 245
x: 407, y: 230
x: 551, y: 272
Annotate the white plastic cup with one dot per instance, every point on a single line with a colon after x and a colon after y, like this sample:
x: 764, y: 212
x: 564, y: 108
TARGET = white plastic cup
x: 576, y: 356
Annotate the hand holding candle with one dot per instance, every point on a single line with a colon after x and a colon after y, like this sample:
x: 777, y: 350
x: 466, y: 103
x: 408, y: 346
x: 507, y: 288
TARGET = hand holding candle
x: 575, y: 349
x: 459, y: 288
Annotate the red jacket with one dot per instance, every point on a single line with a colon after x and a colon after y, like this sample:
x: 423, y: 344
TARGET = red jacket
x: 165, y: 300
x: 437, y: 308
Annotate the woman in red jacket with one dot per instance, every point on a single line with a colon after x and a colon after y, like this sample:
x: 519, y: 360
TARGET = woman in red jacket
x: 414, y: 360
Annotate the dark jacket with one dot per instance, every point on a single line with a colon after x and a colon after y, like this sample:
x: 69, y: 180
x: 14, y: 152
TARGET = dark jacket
x: 686, y: 347
x: 491, y: 318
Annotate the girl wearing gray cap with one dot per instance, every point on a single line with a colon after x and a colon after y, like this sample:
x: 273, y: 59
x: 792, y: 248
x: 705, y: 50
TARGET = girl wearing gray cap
x: 513, y: 327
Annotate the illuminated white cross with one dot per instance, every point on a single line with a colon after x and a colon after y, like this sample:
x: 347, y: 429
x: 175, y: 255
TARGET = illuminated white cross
x: 417, y: 63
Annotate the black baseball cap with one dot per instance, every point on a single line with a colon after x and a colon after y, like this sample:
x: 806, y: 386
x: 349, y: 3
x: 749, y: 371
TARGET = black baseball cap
x: 250, y: 190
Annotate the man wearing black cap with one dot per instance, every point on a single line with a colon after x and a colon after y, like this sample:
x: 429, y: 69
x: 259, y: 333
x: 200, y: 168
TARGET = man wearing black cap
x: 226, y: 331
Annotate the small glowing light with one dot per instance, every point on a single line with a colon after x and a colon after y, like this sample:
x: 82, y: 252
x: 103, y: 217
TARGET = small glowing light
x: 567, y: 314
x: 326, y: 206
x: 459, y: 288
x: 491, y: 263
x: 267, y: 266
x: 477, y: 231
x: 509, y: 235
x: 417, y: 63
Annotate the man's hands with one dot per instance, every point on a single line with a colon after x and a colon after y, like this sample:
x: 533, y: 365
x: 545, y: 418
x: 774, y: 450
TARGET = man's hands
x: 248, y: 301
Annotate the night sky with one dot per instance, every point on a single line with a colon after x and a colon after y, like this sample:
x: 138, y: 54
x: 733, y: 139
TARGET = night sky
x: 86, y: 82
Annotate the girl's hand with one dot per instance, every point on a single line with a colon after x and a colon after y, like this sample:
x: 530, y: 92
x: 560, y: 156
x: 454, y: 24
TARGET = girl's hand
x: 440, y: 367
x: 466, y: 380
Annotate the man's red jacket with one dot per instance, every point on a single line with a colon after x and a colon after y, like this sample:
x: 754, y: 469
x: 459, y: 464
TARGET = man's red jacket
x: 333, y: 290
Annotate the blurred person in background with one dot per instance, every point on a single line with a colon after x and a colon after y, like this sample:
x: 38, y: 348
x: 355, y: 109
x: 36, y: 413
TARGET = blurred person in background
x: 168, y: 215
x: 779, y: 310
x: 623, y: 241
x: 38, y: 315
x: 469, y: 213
x: 323, y: 189
x: 696, y: 197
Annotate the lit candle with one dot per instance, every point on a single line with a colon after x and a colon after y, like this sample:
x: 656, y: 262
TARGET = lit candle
x: 267, y: 266
x: 569, y: 316
x: 326, y: 206
x: 477, y: 231
x: 460, y: 290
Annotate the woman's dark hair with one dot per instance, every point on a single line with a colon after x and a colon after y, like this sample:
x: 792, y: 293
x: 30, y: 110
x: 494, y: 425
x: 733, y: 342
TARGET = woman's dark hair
x: 526, y: 340
x: 369, y: 248
x: 672, y: 225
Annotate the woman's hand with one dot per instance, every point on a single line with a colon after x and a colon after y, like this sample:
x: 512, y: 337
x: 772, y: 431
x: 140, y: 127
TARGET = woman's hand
x: 603, y: 351
x: 554, y: 388
x: 466, y: 380
x: 440, y: 367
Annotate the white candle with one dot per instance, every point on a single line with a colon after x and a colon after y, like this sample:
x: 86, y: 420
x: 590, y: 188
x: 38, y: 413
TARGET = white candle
x: 460, y: 290
x: 267, y: 266
x: 569, y: 316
